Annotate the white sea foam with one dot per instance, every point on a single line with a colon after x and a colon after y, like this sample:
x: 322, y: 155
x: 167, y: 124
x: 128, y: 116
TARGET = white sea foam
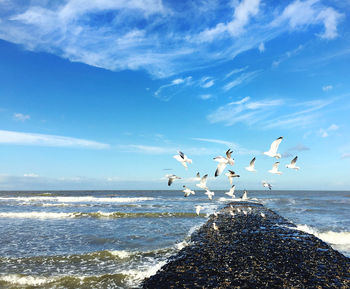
x: 336, y: 238
x: 78, y: 199
x: 36, y: 215
x: 27, y: 280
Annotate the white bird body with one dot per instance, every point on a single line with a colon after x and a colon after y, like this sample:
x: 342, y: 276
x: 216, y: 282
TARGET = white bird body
x: 262, y: 215
x: 292, y: 164
x: 232, y: 213
x: 231, y: 175
x: 231, y: 192
x: 183, y: 159
x: 251, y: 167
x: 198, y: 209
x: 209, y: 194
x: 215, y: 214
x: 215, y: 227
x: 238, y: 210
x: 274, y: 169
x: 273, y: 149
x: 171, y: 178
x: 223, y: 162
x: 266, y: 185
x: 203, y: 182
x: 245, y: 196
x: 188, y: 191
x: 245, y: 212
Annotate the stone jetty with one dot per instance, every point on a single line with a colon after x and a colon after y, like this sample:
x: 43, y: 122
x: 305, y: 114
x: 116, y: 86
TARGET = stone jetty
x: 253, y: 247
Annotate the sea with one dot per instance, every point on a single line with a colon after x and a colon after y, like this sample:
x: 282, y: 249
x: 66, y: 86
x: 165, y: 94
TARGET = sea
x: 115, y: 239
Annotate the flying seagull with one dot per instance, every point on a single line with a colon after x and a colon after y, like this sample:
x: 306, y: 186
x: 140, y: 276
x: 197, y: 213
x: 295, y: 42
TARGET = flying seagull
x: 209, y: 194
x: 251, y: 168
x: 171, y: 179
x: 183, y: 159
x: 198, y: 209
x: 188, y: 191
x: 231, y: 175
x: 274, y: 169
x: 231, y: 192
x: 273, y: 149
x: 292, y: 164
x: 266, y: 185
x: 203, y: 182
x: 223, y: 161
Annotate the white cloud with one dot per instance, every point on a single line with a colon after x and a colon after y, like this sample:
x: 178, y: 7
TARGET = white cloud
x: 261, y: 47
x: 206, y: 82
x: 300, y: 14
x: 35, y: 139
x: 31, y: 175
x: 244, y: 110
x: 205, y: 96
x: 325, y: 132
x: 345, y: 156
x: 21, y: 116
x: 235, y: 71
x: 149, y: 35
x: 176, y: 86
x: 244, y: 77
x: 327, y: 87
x: 242, y: 14
x: 267, y: 112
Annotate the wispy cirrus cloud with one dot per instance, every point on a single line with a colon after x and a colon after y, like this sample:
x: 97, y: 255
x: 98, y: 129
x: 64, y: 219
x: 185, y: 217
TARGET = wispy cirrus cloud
x: 244, y: 77
x: 21, y: 117
x: 175, y: 87
x: 266, y: 112
x: 149, y: 35
x: 35, y: 139
x: 324, y: 132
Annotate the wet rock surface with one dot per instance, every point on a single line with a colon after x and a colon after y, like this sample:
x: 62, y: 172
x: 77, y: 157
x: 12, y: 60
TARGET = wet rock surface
x: 252, y: 251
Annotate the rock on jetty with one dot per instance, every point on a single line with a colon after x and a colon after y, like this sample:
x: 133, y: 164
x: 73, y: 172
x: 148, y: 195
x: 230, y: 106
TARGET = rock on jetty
x: 256, y: 249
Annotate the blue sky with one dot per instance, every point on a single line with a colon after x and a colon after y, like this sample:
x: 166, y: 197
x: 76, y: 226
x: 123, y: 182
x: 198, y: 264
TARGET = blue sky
x: 102, y: 94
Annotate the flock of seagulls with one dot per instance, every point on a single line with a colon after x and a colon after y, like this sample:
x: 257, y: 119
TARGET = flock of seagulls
x: 223, y: 162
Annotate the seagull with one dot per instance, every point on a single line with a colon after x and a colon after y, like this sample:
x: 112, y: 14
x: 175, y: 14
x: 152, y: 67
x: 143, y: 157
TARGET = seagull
x: 223, y: 161
x: 262, y: 215
x: 215, y: 227
x: 245, y: 212
x: 231, y: 175
x: 266, y: 185
x: 183, y: 159
x: 292, y: 164
x: 198, y: 209
x: 171, y: 178
x: 273, y: 149
x: 232, y: 213
x: 245, y: 196
x: 238, y: 210
x: 231, y: 192
x: 215, y: 214
x: 274, y: 169
x: 188, y: 191
x: 203, y: 182
x: 209, y: 194
x: 251, y: 166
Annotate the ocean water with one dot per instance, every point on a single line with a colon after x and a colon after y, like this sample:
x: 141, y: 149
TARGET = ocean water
x: 114, y: 239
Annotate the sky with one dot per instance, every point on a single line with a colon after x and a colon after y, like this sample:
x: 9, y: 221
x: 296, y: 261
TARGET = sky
x: 102, y: 94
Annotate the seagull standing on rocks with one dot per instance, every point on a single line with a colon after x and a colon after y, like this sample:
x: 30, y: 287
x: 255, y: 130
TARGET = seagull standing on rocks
x: 231, y: 192
x: 245, y: 196
x: 274, y: 169
x: 183, y: 159
x: 198, y: 209
x: 292, y: 164
x: 251, y: 168
x: 231, y: 175
x: 203, y: 182
x: 223, y: 161
x: 266, y: 185
x: 188, y: 191
x: 171, y: 178
x: 215, y: 227
x: 273, y: 149
x: 209, y: 194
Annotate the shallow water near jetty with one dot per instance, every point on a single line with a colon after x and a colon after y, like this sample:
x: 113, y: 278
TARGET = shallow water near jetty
x: 114, y: 239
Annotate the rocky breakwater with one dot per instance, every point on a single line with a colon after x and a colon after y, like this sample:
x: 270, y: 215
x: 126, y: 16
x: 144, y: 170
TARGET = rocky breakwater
x: 253, y: 247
